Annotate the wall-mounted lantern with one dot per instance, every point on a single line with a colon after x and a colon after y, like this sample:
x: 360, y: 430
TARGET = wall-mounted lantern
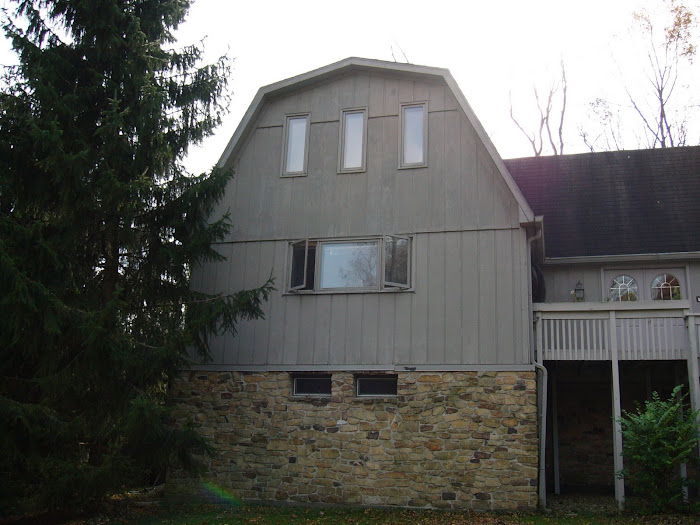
x: 578, y: 293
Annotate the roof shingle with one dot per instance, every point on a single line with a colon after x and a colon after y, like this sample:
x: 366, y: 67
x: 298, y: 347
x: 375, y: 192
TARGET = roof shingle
x: 614, y: 203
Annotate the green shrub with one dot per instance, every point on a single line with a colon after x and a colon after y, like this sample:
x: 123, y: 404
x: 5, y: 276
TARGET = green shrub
x: 657, y: 439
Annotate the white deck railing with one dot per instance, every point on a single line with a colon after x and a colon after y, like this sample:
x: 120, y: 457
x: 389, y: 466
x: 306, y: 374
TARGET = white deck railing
x: 645, y: 330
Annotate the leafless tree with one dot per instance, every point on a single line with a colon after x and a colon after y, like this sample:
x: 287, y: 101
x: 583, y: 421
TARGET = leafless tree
x: 662, y: 116
x: 546, y: 119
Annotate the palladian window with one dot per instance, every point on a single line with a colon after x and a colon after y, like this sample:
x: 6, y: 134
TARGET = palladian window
x: 624, y: 288
x: 665, y: 288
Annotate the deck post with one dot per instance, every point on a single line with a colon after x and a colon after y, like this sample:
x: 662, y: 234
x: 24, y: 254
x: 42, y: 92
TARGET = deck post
x: 693, y: 372
x: 684, y: 466
x: 555, y: 434
x: 617, y: 413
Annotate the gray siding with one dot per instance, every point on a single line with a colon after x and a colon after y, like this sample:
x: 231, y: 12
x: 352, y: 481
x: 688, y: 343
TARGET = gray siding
x: 469, y: 303
x: 595, y: 278
x: 464, y: 309
x: 460, y: 189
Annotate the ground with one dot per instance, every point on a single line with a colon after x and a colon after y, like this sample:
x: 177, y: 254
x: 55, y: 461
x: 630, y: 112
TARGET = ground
x: 137, y: 509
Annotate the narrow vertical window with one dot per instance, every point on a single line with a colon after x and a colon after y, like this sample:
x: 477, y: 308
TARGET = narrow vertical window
x: 353, y: 140
x: 296, y: 142
x: 414, y: 136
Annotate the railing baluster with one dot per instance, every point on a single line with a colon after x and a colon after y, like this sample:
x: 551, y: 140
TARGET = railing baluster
x: 624, y: 345
x: 641, y: 332
x: 587, y: 343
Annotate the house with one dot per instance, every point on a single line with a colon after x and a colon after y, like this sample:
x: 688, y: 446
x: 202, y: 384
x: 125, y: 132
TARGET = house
x: 397, y: 363
x: 621, y: 228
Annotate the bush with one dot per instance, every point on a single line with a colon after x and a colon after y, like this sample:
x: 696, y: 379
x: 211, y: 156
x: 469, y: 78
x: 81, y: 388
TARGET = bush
x: 657, y: 439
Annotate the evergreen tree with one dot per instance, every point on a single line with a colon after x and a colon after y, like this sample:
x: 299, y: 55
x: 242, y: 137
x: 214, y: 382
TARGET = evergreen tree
x: 100, y: 227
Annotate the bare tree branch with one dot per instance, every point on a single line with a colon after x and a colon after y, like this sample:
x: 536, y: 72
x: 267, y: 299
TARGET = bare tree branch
x: 531, y: 139
x: 536, y: 139
x: 664, y: 123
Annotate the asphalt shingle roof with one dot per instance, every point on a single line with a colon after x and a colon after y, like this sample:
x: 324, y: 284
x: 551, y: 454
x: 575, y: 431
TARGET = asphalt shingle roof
x: 612, y: 203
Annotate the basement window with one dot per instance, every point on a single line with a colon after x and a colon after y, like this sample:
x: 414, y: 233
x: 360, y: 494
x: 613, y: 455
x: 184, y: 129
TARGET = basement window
x: 376, y: 385
x: 311, y: 385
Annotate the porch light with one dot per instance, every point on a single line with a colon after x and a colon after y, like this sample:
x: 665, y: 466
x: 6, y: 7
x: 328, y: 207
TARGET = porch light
x: 578, y: 293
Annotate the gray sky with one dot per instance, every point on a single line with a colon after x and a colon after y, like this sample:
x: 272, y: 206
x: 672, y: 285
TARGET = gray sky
x: 491, y: 48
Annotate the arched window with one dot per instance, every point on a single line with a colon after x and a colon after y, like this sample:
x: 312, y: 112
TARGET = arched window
x: 624, y: 288
x: 665, y: 288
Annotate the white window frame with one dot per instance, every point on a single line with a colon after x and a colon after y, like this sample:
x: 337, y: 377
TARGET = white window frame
x: 619, y: 299
x: 644, y: 276
x: 402, y: 108
x: 666, y: 276
x: 341, y: 143
x: 285, y: 145
x: 319, y: 265
x: 390, y: 284
x: 314, y: 288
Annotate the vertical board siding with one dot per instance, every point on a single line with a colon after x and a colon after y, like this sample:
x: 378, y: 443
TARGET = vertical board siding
x: 461, y: 188
x: 488, y: 321
x: 436, y: 290
x: 469, y: 302
x: 504, y: 292
x: 470, y: 294
x: 322, y: 327
x: 453, y: 304
x: 464, y: 310
x: 419, y: 301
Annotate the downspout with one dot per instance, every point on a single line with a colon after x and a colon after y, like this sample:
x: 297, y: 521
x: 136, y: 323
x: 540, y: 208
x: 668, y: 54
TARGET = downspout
x: 541, y: 398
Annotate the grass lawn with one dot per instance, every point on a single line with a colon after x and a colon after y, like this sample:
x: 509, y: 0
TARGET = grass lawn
x: 200, y: 514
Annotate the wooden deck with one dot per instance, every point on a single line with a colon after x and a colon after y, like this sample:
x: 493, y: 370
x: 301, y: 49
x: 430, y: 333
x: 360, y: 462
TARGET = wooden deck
x: 645, y: 330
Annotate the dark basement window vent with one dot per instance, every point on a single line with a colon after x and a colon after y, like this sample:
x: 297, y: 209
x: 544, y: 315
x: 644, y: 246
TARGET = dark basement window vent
x: 312, y: 385
x: 376, y: 385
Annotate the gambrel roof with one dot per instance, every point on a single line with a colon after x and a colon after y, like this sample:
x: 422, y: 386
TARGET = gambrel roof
x: 362, y: 65
x: 615, y: 203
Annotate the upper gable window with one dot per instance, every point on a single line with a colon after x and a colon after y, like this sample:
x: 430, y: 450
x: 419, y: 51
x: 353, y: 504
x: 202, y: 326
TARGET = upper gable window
x: 624, y: 288
x: 296, y: 145
x: 665, y: 287
x: 353, y: 141
x: 413, y: 150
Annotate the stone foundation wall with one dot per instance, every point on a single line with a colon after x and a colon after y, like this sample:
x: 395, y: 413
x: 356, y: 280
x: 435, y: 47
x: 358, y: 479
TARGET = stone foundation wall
x: 448, y: 440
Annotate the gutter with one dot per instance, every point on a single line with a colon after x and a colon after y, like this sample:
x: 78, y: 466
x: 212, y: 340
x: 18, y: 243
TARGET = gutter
x: 541, y: 396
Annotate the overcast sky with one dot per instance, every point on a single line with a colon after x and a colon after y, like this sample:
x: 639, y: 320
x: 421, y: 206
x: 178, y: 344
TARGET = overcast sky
x: 491, y: 48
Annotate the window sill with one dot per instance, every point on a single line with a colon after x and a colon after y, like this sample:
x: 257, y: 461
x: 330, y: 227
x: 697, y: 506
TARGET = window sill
x: 346, y: 292
x: 413, y: 166
x: 290, y: 175
x: 354, y: 170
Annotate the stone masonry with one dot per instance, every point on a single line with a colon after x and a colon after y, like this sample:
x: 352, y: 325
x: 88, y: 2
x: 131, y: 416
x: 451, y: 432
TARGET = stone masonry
x: 454, y: 440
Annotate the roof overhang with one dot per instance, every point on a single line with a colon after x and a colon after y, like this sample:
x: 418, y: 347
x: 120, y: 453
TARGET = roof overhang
x: 626, y: 258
